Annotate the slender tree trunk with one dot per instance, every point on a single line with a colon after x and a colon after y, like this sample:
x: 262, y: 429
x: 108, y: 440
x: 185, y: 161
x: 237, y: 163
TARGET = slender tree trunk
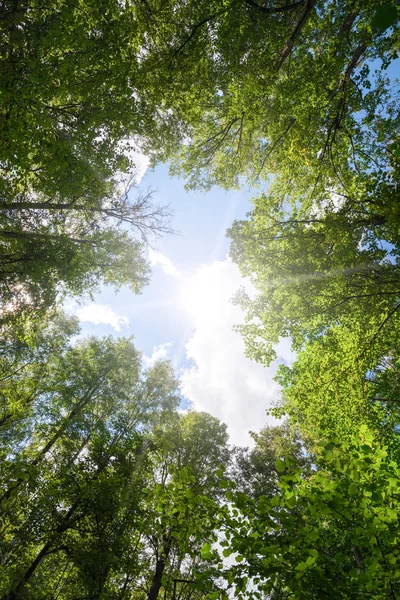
x: 159, y: 570
x: 13, y: 595
x: 308, y: 6
x: 74, y: 412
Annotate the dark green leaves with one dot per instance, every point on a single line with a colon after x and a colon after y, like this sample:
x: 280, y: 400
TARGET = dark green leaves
x: 353, y: 489
x: 385, y: 17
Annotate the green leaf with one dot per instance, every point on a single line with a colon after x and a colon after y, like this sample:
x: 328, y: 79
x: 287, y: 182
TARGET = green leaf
x: 354, y: 573
x: 385, y: 17
x: 291, y: 502
x: 238, y: 558
x: 205, y: 551
x: 395, y: 149
x: 353, y: 489
x: 280, y: 465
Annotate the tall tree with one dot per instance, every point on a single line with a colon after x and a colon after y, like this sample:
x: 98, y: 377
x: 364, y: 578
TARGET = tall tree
x: 77, y: 455
x: 106, y: 490
x: 190, y: 456
x: 315, y: 267
x: 254, y: 469
x: 51, y: 247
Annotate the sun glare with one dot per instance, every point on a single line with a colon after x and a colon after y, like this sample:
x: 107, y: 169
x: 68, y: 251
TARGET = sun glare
x: 206, y: 295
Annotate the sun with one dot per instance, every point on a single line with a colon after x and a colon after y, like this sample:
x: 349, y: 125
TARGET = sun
x: 206, y: 295
x: 195, y: 297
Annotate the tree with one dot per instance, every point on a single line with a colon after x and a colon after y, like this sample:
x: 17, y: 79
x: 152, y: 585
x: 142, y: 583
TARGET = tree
x: 244, y: 84
x: 69, y: 99
x: 254, y: 469
x: 74, y: 467
x: 332, y: 528
x: 190, y: 455
x: 106, y: 490
x: 317, y: 266
x: 294, y: 93
x: 54, y: 247
x: 339, y: 382
x: 67, y: 113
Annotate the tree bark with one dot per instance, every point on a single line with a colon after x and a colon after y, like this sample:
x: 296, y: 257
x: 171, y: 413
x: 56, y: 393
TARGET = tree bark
x: 159, y: 570
x: 290, y: 42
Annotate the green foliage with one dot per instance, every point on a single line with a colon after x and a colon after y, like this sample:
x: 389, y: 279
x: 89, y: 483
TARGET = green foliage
x: 101, y: 478
x: 291, y: 87
x: 334, y: 262
x: 332, y: 528
x: 256, y: 471
x: 107, y: 490
x: 385, y: 16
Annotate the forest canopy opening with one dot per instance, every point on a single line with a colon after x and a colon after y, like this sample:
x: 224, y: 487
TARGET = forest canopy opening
x: 113, y: 485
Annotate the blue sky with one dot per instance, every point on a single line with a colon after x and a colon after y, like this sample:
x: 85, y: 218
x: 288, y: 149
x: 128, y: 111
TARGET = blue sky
x: 185, y: 313
x: 200, y: 221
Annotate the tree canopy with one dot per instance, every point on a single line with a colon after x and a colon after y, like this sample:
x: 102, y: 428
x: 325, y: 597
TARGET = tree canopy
x: 111, y: 487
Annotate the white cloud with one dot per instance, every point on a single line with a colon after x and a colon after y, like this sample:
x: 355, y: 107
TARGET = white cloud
x: 101, y: 313
x: 141, y: 162
x: 222, y: 380
x: 157, y: 258
x: 130, y: 147
x: 159, y: 353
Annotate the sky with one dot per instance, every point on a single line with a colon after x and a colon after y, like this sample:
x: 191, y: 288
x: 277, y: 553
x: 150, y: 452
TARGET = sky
x: 185, y: 314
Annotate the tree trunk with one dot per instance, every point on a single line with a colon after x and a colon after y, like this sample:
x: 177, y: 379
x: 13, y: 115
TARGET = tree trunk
x: 159, y: 570
x: 42, y: 453
x: 290, y: 42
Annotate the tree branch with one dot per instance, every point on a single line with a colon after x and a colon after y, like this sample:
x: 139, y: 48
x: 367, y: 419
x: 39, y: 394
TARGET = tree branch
x: 290, y: 42
x: 192, y: 33
x: 271, y: 11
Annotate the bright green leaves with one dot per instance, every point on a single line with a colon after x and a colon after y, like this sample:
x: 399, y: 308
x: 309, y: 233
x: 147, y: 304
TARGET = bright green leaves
x: 206, y: 552
x: 334, y: 523
x: 385, y: 16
